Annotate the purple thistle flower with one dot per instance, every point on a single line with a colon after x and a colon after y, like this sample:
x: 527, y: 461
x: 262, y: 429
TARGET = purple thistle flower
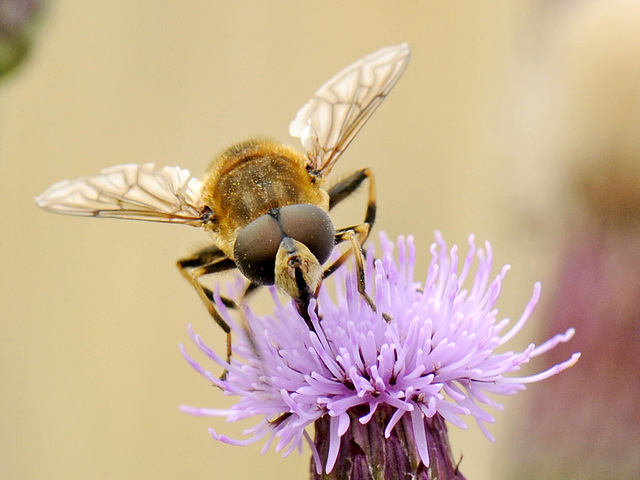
x: 435, y: 359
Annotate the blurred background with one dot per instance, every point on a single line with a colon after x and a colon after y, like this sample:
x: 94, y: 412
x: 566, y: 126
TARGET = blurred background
x: 517, y: 121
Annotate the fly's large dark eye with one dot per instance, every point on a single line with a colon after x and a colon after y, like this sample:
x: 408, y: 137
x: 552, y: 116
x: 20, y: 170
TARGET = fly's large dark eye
x: 255, y: 249
x: 311, y: 226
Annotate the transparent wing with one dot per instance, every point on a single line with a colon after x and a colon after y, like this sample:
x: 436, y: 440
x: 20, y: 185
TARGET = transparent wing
x: 137, y: 192
x: 332, y: 118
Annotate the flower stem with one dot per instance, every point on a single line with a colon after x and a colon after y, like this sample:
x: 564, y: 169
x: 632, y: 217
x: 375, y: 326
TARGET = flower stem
x: 365, y: 453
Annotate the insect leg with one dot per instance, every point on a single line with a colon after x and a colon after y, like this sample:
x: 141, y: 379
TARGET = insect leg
x: 356, y: 236
x: 205, y: 262
x: 249, y: 291
x: 347, y: 186
x: 339, y: 192
x: 205, y: 255
x: 210, y: 255
x: 201, y: 257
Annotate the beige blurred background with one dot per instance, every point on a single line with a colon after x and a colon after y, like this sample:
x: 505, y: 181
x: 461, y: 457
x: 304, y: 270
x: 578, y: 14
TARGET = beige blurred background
x: 92, y: 311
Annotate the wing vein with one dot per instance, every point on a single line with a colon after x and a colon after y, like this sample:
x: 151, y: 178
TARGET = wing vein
x: 331, y: 119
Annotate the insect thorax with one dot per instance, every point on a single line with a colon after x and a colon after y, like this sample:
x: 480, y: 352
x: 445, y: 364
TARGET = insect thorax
x: 253, y: 177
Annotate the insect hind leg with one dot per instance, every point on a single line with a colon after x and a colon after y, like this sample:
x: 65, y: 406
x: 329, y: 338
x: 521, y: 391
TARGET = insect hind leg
x: 357, y: 234
x: 208, y: 261
x: 348, y: 186
x: 339, y: 192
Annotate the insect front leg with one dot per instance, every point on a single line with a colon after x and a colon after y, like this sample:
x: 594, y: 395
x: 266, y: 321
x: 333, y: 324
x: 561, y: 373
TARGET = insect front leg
x: 208, y: 261
x: 356, y: 236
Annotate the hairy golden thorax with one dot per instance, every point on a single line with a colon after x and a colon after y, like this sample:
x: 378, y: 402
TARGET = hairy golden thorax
x: 251, y: 178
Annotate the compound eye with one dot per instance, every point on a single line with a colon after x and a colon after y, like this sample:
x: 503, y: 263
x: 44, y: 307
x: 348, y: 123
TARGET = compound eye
x: 255, y: 250
x: 311, y: 226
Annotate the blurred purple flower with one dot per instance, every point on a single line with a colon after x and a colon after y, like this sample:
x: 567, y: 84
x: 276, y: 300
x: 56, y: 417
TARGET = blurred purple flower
x: 435, y: 359
x: 17, y: 25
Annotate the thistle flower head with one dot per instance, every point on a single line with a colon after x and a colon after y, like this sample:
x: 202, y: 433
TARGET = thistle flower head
x: 438, y: 353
